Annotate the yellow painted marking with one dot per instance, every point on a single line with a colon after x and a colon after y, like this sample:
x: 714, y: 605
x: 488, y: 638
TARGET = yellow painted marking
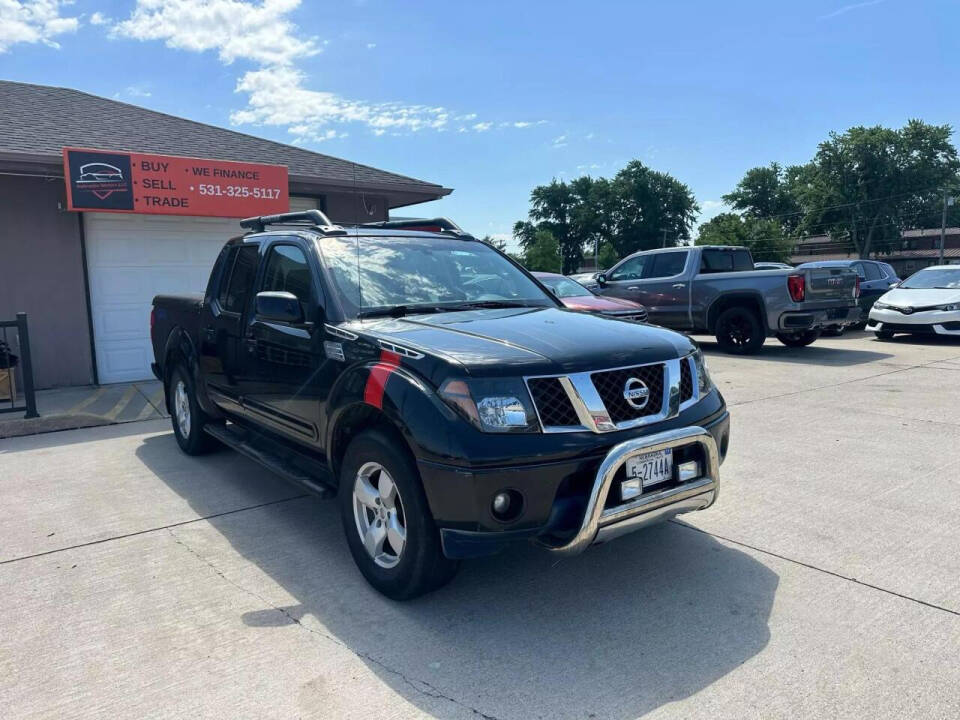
x: 88, y: 401
x: 122, y: 403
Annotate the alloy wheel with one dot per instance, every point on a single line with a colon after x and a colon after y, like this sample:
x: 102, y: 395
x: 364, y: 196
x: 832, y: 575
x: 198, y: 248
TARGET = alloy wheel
x: 181, y: 407
x: 378, y: 511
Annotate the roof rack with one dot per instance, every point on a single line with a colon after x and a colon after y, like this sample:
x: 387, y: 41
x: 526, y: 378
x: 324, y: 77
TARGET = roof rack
x: 311, y: 218
x: 438, y: 224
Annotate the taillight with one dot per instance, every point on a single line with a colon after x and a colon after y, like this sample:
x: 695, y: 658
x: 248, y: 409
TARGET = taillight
x: 856, y: 289
x: 795, y: 284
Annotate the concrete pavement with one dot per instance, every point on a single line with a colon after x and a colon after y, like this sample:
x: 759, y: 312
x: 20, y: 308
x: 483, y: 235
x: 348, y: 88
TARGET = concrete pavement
x: 138, y: 582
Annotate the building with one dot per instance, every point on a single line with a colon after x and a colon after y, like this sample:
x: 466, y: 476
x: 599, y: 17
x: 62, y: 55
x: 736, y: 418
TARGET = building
x: 918, y: 249
x: 86, y: 279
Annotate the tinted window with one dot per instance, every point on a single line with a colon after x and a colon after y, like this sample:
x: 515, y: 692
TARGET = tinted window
x: 667, y: 264
x: 287, y: 271
x: 383, y: 272
x: 858, y: 268
x: 241, y: 279
x: 872, y: 271
x: 224, y: 265
x: 891, y: 273
x: 725, y: 261
x: 630, y: 269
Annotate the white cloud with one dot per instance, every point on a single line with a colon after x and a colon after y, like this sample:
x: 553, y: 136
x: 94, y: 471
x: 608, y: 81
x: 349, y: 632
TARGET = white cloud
x: 710, y: 209
x: 33, y: 21
x: 371, y: 46
x: 98, y: 18
x: 278, y: 92
x: 848, y: 8
x: 559, y: 142
x: 133, y: 91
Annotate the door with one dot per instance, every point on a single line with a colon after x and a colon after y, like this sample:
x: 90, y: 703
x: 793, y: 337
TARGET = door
x: 286, y: 376
x: 222, y: 328
x: 656, y: 280
x: 873, y: 283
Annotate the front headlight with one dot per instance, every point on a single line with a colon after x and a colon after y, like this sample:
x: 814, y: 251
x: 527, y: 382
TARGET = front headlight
x: 881, y: 306
x: 704, y: 383
x: 491, y: 405
x: 950, y: 307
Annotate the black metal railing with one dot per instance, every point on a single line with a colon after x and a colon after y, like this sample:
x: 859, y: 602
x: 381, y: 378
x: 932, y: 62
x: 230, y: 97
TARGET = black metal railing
x: 12, y: 357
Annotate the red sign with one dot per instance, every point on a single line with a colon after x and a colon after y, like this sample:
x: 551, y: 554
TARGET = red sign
x: 171, y: 185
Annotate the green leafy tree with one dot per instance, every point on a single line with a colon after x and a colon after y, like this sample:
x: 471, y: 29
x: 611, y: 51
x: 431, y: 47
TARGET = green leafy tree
x: 543, y: 254
x: 871, y: 183
x: 607, y: 258
x: 500, y: 245
x: 768, y: 192
x: 765, y: 238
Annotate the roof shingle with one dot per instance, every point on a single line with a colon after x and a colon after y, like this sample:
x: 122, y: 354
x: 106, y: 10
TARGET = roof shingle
x: 42, y: 120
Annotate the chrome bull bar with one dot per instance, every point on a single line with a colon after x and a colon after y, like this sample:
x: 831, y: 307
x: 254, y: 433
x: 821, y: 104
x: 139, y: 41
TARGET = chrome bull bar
x: 601, y: 523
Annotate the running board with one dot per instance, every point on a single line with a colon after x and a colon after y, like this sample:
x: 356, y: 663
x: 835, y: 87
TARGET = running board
x: 277, y: 458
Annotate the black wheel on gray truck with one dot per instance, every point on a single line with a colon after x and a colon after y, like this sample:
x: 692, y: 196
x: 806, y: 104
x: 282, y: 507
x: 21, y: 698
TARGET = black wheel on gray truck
x: 798, y: 339
x: 739, y: 331
x: 388, y: 524
x: 187, y: 416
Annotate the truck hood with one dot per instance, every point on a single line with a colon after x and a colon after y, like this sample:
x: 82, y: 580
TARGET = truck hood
x: 920, y: 297
x: 530, y: 341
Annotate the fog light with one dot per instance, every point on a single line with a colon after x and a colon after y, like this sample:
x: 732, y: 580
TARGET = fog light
x: 688, y: 470
x: 501, y: 503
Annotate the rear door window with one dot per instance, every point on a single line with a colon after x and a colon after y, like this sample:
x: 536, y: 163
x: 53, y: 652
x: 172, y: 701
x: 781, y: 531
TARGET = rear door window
x: 715, y: 260
x: 241, y: 279
x: 872, y: 271
x: 667, y: 265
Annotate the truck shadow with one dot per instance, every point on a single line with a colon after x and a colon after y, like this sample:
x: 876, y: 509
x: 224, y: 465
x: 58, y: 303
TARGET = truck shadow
x: 649, y: 619
x: 773, y: 351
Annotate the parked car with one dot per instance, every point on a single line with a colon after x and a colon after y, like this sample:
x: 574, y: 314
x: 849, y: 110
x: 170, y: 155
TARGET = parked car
x: 577, y: 297
x: 772, y: 266
x: 715, y: 289
x: 875, y: 279
x: 583, y: 278
x: 926, y: 303
x: 452, y: 404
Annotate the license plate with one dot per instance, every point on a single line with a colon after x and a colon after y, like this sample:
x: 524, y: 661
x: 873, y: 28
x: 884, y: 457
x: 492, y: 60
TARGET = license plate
x: 646, y: 470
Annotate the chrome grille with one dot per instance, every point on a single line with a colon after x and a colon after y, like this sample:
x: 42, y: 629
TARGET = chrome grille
x: 610, y: 385
x: 553, y: 404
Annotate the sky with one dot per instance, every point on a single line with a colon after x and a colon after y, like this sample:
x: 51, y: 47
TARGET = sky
x: 494, y: 98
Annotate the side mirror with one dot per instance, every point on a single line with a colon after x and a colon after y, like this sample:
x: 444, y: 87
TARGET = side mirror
x: 279, y: 307
x: 601, y: 279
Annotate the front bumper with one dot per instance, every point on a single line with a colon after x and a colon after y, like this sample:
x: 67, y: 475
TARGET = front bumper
x: 810, y: 319
x: 928, y: 322
x: 566, y: 503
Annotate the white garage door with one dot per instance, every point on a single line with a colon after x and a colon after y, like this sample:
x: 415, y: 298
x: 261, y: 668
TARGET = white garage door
x: 131, y: 258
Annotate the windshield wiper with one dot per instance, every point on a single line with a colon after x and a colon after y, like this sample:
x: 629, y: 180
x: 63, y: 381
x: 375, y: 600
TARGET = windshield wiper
x: 399, y: 311
x: 486, y: 304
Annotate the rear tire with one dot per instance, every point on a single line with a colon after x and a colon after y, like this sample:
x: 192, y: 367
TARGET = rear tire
x: 884, y: 334
x: 833, y: 331
x: 739, y: 332
x: 387, y: 521
x: 186, y: 415
x: 798, y: 339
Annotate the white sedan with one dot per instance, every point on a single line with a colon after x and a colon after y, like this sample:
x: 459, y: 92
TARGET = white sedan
x: 927, y: 302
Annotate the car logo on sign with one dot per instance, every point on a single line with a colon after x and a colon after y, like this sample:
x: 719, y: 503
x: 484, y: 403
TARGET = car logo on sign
x: 636, y: 393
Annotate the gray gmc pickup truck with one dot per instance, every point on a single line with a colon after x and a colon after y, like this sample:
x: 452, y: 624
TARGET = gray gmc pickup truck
x: 715, y: 289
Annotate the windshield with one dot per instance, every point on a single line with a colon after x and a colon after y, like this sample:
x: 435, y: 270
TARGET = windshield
x: 415, y: 274
x: 564, y: 287
x: 946, y: 279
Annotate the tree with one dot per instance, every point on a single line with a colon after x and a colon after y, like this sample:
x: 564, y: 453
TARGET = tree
x: 765, y: 238
x: 768, y: 192
x: 869, y: 184
x: 499, y: 244
x: 543, y: 254
x: 607, y: 258
x: 650, y: 209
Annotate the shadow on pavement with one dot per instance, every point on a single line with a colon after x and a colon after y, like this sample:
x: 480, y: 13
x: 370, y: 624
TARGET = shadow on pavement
x: 773, y: 351
x: 651, y: 618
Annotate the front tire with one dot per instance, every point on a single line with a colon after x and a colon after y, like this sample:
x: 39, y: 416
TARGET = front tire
x: 389, y: 528
x: 884, y: 334
x: 739, y: 332
x: 187, y: 416
x: 798, y: 339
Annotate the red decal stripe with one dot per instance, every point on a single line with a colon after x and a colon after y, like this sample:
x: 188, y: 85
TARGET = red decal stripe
x: 377, y: 380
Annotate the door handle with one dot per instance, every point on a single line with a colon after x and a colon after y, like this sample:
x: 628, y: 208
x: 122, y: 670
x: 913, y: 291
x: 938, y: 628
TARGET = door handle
x: 679, y: 285
x: 633, y: 287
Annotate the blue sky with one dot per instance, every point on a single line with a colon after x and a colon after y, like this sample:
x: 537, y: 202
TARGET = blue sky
x: 494, y: 98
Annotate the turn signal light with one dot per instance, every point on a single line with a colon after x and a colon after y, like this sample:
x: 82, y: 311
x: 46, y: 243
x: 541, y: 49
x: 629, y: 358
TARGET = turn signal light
x: 856, y: 290
x: 795, y: 284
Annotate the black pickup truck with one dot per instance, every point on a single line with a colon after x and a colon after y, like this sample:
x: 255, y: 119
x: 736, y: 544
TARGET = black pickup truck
x: 448, y: 399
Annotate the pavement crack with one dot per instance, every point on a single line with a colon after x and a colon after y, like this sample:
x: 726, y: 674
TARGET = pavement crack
x: 810, y: 566
x: 420, y: 686
x: 151, y: 530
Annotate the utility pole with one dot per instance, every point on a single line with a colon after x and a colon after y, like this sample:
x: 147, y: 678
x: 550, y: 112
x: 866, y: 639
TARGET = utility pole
x: 947, y: 200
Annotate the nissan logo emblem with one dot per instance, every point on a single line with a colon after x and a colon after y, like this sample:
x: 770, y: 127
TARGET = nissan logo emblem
x: 636, y: 393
